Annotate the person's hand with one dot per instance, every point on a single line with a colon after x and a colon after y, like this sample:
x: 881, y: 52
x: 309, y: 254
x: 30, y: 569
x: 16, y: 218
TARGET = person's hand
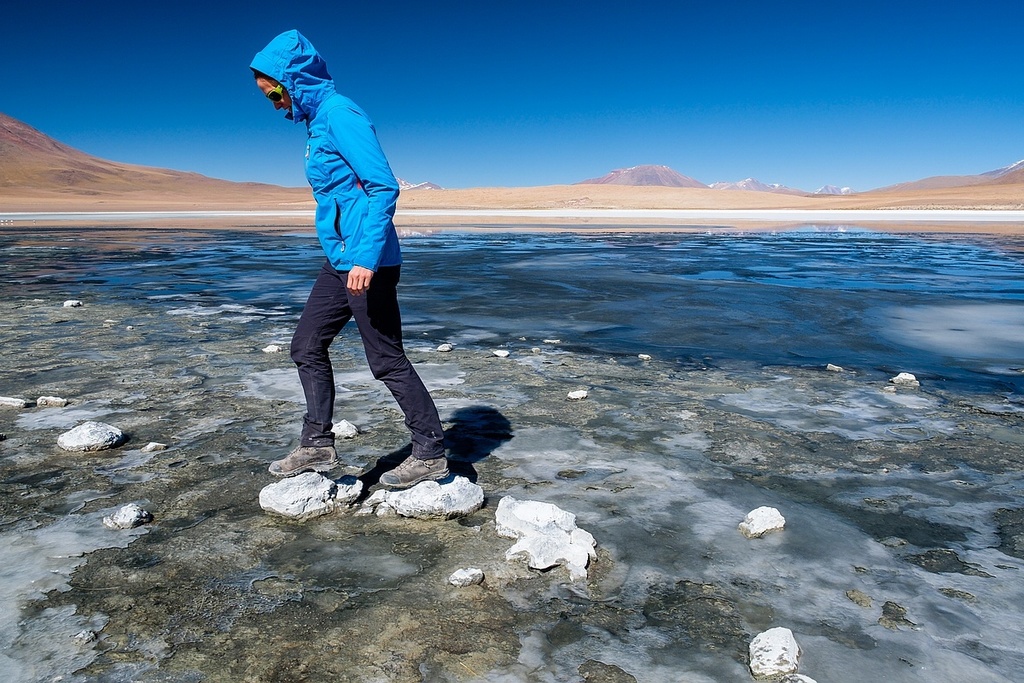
x: 359, y: 280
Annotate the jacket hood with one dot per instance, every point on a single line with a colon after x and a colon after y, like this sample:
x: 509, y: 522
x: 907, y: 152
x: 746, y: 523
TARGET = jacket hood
x: 293, y: 61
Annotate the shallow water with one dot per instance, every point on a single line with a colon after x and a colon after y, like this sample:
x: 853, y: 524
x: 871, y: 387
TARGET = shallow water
x: 912, y: 497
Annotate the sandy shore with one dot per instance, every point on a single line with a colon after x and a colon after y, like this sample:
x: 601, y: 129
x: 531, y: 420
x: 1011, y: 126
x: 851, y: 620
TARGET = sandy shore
x: 597, y: 220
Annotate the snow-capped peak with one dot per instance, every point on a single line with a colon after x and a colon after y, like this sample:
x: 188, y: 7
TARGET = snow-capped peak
x: 1004, y: 170
x: 832, y: 189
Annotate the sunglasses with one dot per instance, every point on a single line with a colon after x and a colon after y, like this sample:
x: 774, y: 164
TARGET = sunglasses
x: 277, y: 94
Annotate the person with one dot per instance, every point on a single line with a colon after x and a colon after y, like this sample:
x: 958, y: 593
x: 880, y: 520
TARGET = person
x: 355, y: 194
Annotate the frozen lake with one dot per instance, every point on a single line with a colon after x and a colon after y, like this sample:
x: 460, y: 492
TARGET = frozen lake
x: 902, y: 555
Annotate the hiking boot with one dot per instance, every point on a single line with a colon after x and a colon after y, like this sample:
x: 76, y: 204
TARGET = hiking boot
x: 305, y: 459
x: 414, y: 470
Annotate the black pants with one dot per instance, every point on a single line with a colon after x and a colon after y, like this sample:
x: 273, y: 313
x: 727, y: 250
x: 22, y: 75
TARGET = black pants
x: 327, y: 310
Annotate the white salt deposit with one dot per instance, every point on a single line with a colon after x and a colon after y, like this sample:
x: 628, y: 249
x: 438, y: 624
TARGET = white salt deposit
x: 796, y: 678
x: 12, y: 402
x: 774, y: 653
x: 343, y: 429
x: 306, y: 495
x: 547, y: 536
x: 128, y: 517
x: 761, y: 521
x: 501, y: 353
x: 72, y: 303
x: 428, y: 500
x: 462, y: 578
x: 577, y: 395
x: 91, y: 436
x: 905, y: 379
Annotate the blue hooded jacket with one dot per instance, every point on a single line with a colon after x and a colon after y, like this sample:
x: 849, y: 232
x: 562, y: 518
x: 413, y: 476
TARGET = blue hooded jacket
x: 352, y: 183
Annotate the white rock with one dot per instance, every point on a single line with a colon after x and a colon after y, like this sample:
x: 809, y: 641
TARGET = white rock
x: 129, y: 327
x: 759, y: 522
x: 272, y: 348
x: 796, y: 678
x: 85, y: 637
x: 644, y: 356
x: 905, y: 379
x: 833, y: 368
x: 547, y: 536
x: 51, y: 402
x: 535, y: 349
x: 578, y: 395
x: 91, y: 436
x: 552, y: 341
x: 72, y: 303
x: 307, y: 495
x: 501, y: 353
x: 11, y: 402
x: 128, y: 517
x: 774, y: 653
x: 431, y: 500
x: 343, y: 429
x: 445, y: 348
x: 373, y: 502
x: 154, y: 446
x: 462, y: 578
x: 348, y: 491
x: 889, y: 389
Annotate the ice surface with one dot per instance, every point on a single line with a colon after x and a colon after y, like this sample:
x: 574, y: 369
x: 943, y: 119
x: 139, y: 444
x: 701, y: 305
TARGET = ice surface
x: 660, y: 463
x: 36, y: 560
x: 992, y: 331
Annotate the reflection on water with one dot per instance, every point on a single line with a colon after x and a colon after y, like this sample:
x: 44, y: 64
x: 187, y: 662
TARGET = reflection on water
x: 911, y: 497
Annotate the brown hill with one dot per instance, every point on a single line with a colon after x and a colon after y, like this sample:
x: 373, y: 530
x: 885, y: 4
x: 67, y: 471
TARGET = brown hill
x: 37, y: 172
x: 659, y: 176
x: 1009, y: 175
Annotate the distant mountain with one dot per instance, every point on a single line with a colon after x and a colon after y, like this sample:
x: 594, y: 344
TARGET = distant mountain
x: 34, y: 164
x: 1014, y: 173
x: 661, y: 176
x: 1012, y: 169
x: 404, y: 185
x: 832, y: 189
x: 755, y: 185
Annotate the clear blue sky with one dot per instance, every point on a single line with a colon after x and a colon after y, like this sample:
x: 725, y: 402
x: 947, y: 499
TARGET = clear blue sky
x: 485, y: 92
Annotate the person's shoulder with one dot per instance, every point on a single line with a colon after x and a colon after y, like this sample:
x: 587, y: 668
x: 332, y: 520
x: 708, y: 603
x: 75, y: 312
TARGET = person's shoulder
x: 337, y: 102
